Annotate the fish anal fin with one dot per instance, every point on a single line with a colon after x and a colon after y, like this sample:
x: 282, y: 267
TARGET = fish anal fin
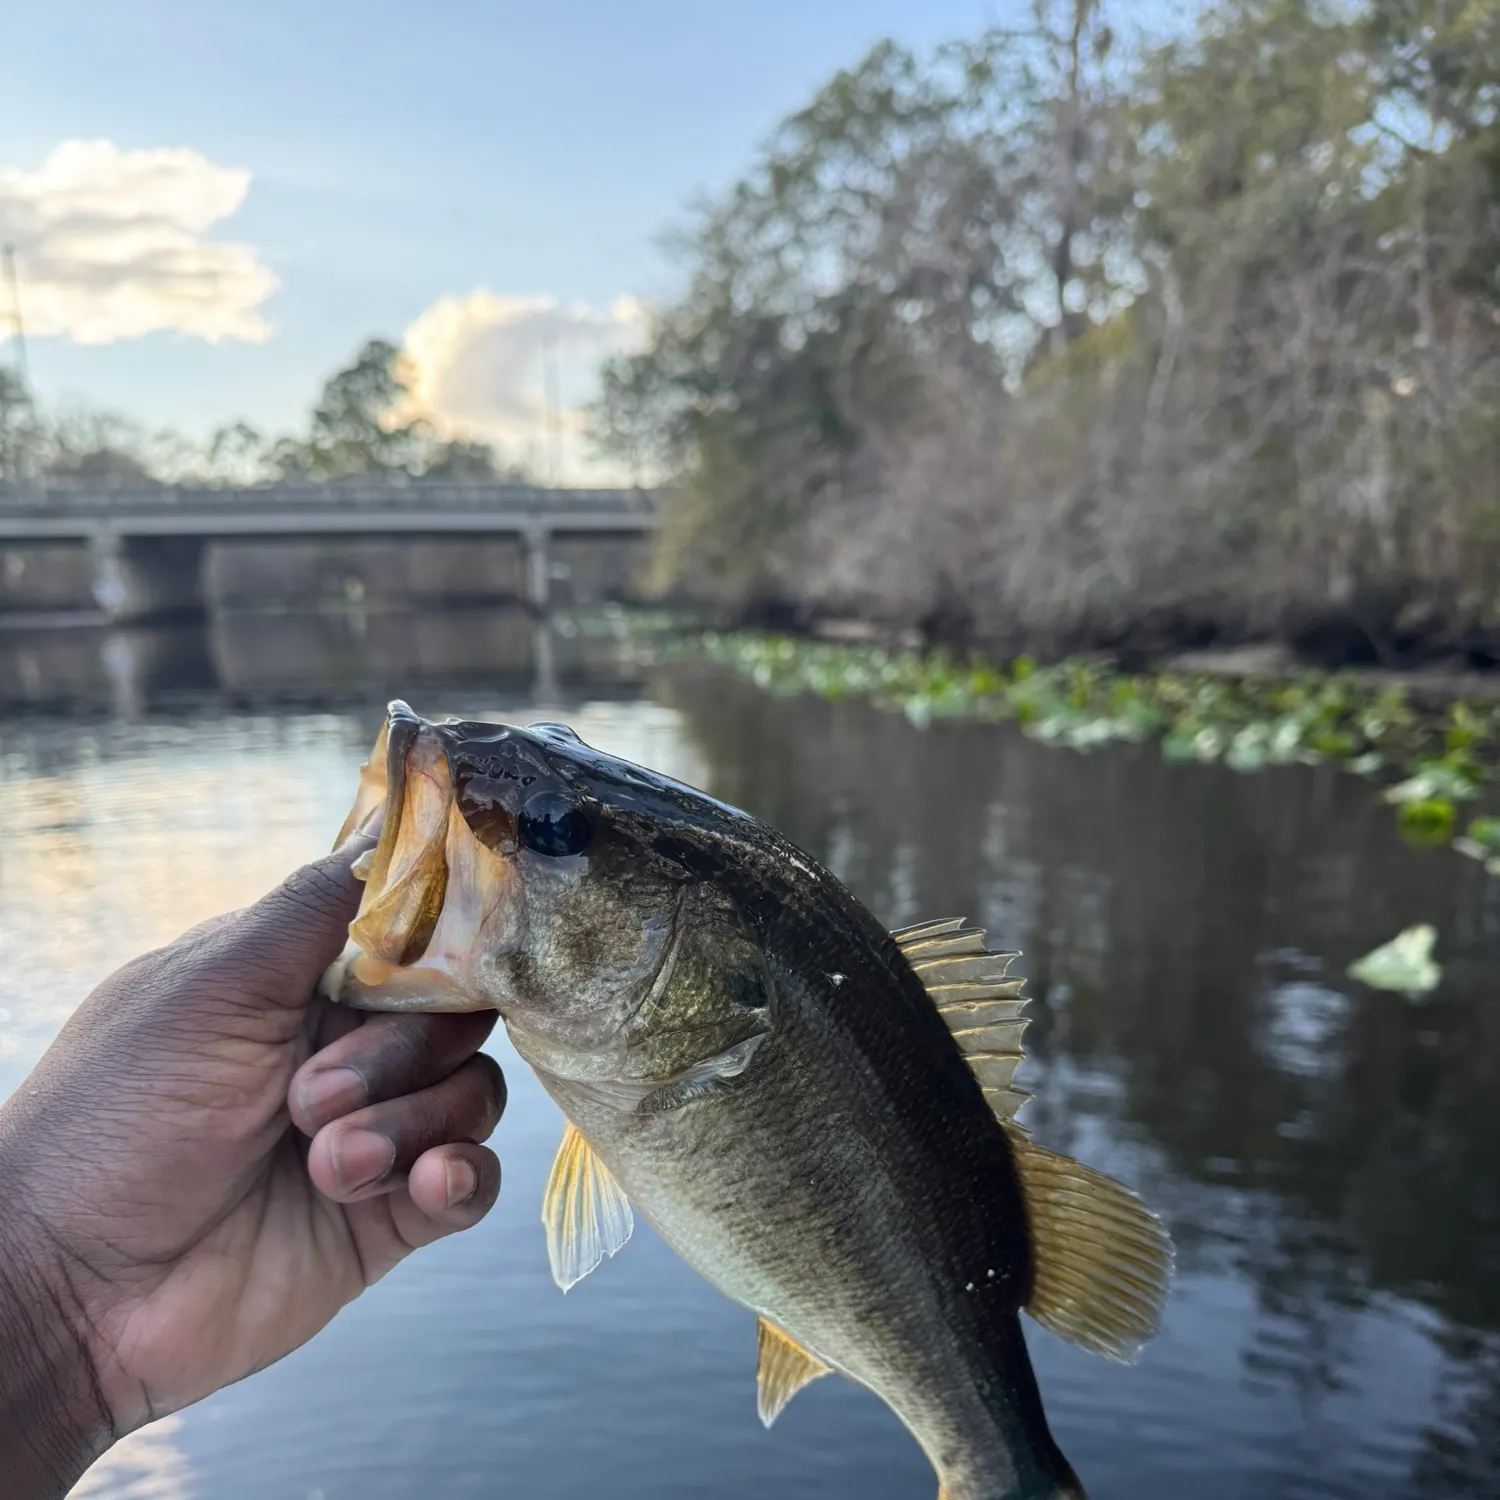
x: 1101, y: 1260
x: 585, y: 1214
x: 784, y: 1367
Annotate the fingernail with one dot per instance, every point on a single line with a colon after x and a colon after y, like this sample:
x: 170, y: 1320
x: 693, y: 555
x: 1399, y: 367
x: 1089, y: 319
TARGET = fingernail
x: 326, y: 1094
x: 359, y: 1157
x: 373, y: 821
x: 461, y: 1180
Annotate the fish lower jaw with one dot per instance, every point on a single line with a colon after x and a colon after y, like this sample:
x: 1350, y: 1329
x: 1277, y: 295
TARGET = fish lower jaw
x: 420, y: 988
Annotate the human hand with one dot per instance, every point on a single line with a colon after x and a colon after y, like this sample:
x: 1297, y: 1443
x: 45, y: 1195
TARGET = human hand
x: 210, y: 1161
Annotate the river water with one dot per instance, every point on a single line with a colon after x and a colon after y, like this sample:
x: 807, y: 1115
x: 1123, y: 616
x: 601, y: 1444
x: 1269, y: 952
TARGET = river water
x: 1328, y: 1157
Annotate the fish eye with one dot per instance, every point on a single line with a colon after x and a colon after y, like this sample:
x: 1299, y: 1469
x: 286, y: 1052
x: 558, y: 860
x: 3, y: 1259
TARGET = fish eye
x: 555, y: 730
x: 552, y: 823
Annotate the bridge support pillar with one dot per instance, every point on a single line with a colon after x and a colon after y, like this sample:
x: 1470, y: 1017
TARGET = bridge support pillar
x: 543, y: 662
x: 143, y: 578
x: 538, y: 543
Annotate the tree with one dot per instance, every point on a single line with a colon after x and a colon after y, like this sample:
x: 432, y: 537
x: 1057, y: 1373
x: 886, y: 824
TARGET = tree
x: 356, y: 430
x: 1050, y: 340
x: 874, y: 267
x: 83, y: 445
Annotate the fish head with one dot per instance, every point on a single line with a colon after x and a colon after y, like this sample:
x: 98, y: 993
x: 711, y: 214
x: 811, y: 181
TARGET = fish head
x: 510, y: 874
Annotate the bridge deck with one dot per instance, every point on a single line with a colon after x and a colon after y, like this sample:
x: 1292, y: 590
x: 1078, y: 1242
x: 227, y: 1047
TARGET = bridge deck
x: 320, y: 510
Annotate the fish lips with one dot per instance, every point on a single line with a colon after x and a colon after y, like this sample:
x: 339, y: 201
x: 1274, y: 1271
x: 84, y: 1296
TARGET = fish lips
x: 439, y: 893
x: 445, y: 898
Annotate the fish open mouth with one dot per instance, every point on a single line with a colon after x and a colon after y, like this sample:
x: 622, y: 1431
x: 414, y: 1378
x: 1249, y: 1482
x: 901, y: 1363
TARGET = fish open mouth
x: 436, y: 893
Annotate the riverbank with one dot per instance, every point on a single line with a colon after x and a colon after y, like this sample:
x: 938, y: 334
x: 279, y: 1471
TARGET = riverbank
x: 1429, y: 743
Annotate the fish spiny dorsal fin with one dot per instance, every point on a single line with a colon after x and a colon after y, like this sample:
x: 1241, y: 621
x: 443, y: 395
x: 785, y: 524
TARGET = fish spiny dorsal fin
x: 586, y: 1215
x: 982, y: 1007
x: 919, y: 930
x: 1101, y: 1260
x: 784, y: 1368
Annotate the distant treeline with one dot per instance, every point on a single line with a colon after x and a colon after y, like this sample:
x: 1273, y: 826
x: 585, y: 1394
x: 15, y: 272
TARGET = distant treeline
x: 357, y: 427
x: 1047, y: 338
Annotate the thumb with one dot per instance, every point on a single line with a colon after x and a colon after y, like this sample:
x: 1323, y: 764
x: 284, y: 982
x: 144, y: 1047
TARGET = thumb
x: 288, y: 937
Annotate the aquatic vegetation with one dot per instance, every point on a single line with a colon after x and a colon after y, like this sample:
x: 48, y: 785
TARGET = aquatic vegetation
x: 1433, y: 760
x: 1405, y: 964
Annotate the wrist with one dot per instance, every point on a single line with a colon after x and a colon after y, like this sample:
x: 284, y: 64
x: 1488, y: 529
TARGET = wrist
x: 53, y: 1418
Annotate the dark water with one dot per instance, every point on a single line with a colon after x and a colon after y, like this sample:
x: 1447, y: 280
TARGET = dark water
x: 1328, y: 1157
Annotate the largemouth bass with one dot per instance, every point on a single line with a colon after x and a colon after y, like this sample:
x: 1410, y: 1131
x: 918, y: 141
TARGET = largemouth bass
x: 816, y: 1114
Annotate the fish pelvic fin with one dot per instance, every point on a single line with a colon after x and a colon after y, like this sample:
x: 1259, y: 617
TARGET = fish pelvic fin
x: 585, y: 1213
x: 785, y: 1366
x: 1101, y: 1260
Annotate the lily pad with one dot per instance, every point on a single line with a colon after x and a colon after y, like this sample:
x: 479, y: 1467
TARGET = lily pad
x: 1405, y: 964
x: 1434, y: 780
x: 1426, y: 823
x: 1486, y: 833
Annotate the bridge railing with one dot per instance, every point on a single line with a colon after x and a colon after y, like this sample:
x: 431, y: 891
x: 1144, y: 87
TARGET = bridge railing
x: 89, y: 500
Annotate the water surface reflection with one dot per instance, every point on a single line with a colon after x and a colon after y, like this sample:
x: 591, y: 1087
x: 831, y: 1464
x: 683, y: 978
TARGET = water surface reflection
x: 1329, y: 1158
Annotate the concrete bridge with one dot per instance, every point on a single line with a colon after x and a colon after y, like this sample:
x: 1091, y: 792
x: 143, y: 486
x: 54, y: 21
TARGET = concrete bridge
x: 146, y: 547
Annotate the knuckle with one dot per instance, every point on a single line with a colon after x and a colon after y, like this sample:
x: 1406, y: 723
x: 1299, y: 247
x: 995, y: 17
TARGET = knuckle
x: 321, y: 888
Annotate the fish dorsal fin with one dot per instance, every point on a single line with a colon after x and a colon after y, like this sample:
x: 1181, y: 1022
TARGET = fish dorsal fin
x: 973, y: 994
x: 784, y: 1368
x: 586, y: 1215
x: 1101, y: 1260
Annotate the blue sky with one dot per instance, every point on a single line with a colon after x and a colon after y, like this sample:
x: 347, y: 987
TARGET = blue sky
x: 400, y: 154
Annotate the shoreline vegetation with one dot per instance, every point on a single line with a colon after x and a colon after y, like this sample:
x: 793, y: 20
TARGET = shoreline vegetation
x: 1434, y: 759
x: 1061, y: 338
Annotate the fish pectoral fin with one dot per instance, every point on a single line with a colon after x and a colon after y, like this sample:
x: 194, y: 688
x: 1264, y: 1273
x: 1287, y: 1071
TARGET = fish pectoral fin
x: 785, y: 1367
x: 585, y: 1214
x: 1101, y: 1260
x: 711, y: 1076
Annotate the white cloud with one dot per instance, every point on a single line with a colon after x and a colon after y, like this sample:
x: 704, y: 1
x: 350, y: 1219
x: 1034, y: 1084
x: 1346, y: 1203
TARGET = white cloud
x: 476, y: 369
x: 109, y: 245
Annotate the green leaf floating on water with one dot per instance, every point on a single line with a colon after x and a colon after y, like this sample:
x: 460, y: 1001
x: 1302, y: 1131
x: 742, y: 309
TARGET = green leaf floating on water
x: 1486, y: 833
x: 1439, y: 761
x: 1435, y: 780
x: 1427, y: 823
x: 1482, y: 842
x: 1405, y: 964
